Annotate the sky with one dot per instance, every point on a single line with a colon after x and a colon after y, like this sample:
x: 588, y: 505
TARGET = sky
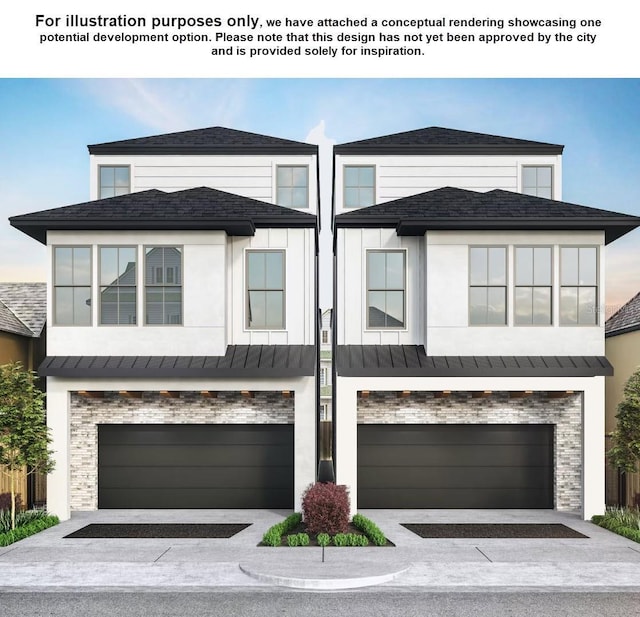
x: 46, y: 124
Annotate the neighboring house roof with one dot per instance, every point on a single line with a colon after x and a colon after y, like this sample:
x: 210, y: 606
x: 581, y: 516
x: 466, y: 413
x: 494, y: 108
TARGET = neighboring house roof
x: 626, y: 319
x: 438, y: 140
x: 455, y: 208
x: 212, y: 140
x: 23, y: 308
x: 199, y: 208
x: 238, y: 361
x: 412, y: 361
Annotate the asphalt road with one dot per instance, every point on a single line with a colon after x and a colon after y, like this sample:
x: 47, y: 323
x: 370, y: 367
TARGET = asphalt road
x: 289, y: 603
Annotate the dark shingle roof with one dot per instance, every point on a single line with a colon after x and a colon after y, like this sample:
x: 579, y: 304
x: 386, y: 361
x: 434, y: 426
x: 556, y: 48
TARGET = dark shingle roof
x: 454, y: 208
x: 626, y: 319
x: 412, y: 361
x: 212, y: 140
x: 438, y: 140
x: 239, y: 361
x: 197, y: 208
x: 23, y: 308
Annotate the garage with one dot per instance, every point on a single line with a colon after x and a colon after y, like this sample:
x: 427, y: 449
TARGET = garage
x: 455, y: 466
x: 195, y: 466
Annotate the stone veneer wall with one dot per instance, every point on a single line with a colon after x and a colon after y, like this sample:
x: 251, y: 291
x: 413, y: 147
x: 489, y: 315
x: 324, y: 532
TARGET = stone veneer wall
x: 190, y: 408
x: 498, y: 408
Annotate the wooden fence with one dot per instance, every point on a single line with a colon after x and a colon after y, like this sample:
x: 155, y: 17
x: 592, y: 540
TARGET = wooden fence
x: 20, y: 484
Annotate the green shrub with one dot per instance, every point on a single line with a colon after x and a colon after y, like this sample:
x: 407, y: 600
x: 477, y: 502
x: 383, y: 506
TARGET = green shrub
x: 28, y: 529
x: 303, y: 539
x: 623, y: 521
x: 340, y: 539
x: 323, y: 539
x: 370, y: 529
x: 361, y: 540
x: 273, y: 535
x: 292, y: 540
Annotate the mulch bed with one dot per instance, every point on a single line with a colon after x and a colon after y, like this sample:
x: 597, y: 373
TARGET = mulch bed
x: 161, y: 530
x: 487, y: 530
x: 302, y: 528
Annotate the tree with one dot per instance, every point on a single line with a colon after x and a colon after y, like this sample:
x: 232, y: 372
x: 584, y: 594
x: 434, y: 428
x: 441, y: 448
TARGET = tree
x: 625, y: 452
x: 24, y: 436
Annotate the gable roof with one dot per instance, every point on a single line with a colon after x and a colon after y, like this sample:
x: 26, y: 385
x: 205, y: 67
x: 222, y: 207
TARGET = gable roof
x: 625, y: 319
x: 438, y: 140
x: 199, y: 208
x: 212, y: 140
x: 454, y: 208
x: 23, y: 308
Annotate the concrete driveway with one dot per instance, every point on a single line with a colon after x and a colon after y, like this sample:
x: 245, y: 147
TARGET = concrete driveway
x: 602, y: 561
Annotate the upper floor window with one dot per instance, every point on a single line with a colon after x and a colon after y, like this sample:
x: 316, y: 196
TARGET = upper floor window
x: 488, y: 286
x: 359, y: 186
x: 323, y: 376
x: 118, y: 285
x: 292, y: 186
x: 533, y: 280
x: 579, y: 285
x: 538, y: 180
x: 386, y: 284
x: 265, y: 290
x: 72, y: 285
x: 163, y: 285
x: 325, y: 337
x: 114, y: 180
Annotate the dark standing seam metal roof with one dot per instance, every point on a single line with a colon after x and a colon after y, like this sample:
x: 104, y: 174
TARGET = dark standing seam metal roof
x: 268, y: 361
x: 454, y: 208
x: 626, y: 319
x: 212, y: 140
x: 23, y: 308
x: 438, y: 140
x: 201, y: 208
x: 412, y: 361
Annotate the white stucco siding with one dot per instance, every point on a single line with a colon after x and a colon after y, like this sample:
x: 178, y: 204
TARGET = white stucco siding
x: 249, y: 176
x: 353, y: 245
x: 203, y: 287
x: 404, y: 175
x: 299, y: 249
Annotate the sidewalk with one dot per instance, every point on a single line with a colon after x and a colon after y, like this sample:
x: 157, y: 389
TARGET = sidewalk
x: 48, y: 561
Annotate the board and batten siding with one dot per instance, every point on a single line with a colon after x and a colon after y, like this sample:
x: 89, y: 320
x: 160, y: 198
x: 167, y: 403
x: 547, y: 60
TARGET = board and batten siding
x: 402, y: 176
x: 249, y: 176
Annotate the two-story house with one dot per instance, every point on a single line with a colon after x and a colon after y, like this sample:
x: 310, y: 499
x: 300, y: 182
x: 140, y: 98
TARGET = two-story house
x: 182, y: 353
x: 470, y: 360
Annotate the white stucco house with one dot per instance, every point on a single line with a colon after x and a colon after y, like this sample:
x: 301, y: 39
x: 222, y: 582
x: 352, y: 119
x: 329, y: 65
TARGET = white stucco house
x: 182, y: 307
x: 470, y: 359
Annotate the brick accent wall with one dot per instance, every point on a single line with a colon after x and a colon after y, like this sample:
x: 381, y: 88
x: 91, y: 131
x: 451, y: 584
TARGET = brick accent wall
x: 190, y: 408
x: 498, y: 408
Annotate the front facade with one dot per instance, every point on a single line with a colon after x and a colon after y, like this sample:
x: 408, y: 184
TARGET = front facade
x: 470, y: 358
x: 182, y: 355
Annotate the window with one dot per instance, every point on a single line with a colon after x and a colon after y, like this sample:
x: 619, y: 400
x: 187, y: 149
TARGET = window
x: 359, y: 186
x: 117, y: 285
x: 487, y: 286
x: 533, y: 285
x: 114, y: 180
x: 292, y: 182
x: 323, y: 376
x: 325, y: 337
x: 386, y: 289
x: 163, y: 285
x: 538, y: 181
x: 265, y: 290
x: 72, y: 285
x: 324, y: 412
x: 578, y: 285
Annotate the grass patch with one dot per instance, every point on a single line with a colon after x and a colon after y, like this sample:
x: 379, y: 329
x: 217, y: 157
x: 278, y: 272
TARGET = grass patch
x: 28, y: 524
x: 623, y: 521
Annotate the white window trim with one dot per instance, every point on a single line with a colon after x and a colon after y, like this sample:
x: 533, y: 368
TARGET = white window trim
x: 275, y: 197
x: 365, y: 312
x: 143, y: 285
x: 552, y: 286
x: 245, y: 284
x: 507, y: 313
x: 600, y: 304
x: 344, y: 186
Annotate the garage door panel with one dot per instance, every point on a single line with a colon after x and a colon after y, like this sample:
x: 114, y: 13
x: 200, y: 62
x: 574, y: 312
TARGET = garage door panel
x: 455, y: 466
x: 195, y: 466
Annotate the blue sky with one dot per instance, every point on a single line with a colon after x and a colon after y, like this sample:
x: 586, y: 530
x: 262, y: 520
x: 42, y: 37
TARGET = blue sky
x: 46, y: 124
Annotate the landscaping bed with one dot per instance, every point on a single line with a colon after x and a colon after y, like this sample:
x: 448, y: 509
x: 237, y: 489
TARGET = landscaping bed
x: 28, y: 523
x: 623, y: 521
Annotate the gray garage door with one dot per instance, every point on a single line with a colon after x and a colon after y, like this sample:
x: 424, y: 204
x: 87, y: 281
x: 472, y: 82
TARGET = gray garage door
x: 195, y: 466
x: 455, y: 466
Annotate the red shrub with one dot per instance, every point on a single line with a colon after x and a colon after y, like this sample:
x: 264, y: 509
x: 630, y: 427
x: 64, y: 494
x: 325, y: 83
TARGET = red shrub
x: 325, y: 508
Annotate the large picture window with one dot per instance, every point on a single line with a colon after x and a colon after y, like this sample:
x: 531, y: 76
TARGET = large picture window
x: 72, y: 285
x: 386, y: 282
x: 265, y: 290
x: 292, y: 186
x: 163, y: 285
x: 579, y: 285
x: 114, y: 180
x: 487, y: 286
x: 359, y: 185
x: 533, y: 278
x: 118, y: 285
